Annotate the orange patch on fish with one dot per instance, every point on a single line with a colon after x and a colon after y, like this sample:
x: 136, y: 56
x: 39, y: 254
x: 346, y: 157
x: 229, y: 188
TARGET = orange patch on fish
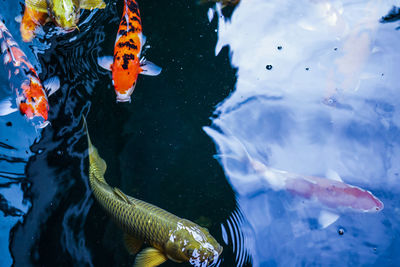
x: 27, y: 109
x: 20, y: 58
x: 31, y: 20
x: 36, y: 103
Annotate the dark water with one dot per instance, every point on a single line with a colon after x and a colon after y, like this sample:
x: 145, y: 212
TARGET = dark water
x: 285, y: 116
x: 154, y: 147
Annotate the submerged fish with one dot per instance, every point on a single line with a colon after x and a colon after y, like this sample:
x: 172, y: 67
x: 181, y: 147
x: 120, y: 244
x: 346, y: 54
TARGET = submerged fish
x: 64, y: 13
x: 126, y: 64
x: 330, y: 192
x: 31, y: 97
x: 169, y: 236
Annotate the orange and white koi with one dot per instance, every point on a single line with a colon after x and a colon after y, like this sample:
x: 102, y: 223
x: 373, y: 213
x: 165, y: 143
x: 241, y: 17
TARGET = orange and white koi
x: 31, y: 96
x: 126, y: 64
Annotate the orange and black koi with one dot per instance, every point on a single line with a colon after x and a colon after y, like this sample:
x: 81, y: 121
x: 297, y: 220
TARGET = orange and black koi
x: 126, y: 64
x: 31, y: 97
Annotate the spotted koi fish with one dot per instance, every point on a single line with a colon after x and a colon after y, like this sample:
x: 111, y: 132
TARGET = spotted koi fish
x: 126, y: 64
x: 31, y: 96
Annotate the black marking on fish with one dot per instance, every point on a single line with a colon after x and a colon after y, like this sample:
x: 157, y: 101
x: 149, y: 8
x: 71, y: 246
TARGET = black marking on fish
x: 133, y: 7
x: 134, y: 29
x: 129, y: 44
x: 126, y: 59
x: 123, y: 22
x: 136, y: 19
x: 122, y: 32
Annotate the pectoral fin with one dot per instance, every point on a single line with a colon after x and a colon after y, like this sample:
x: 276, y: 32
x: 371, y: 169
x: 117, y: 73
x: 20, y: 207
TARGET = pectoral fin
x: 331, y: 174
x: 91, y: 4
x: 326, y: 218
x: 38, y: 5
x: 6, y: 107
x: 132, y: 243
x: 51, y: 85
x: 105, y: 62
x: 149, y: 68
x: 121, y: 195
x: 150, y: 257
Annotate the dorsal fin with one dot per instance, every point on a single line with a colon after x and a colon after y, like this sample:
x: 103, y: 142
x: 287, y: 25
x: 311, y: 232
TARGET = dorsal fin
x: 122, y: 196
x: 332, y: 175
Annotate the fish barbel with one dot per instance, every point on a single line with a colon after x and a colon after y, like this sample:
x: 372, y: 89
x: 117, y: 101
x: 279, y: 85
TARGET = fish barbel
x: 169, y: 236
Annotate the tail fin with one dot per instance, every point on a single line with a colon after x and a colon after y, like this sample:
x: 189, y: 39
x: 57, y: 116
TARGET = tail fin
x: 96, y: 162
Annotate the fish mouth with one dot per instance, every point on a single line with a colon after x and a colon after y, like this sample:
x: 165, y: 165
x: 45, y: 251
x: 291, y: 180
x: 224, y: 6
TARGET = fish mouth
x: 123, y: 98
x: 67, y: 30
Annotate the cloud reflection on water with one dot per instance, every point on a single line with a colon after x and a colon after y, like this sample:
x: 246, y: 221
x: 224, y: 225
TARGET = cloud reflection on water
x: 316, y: 91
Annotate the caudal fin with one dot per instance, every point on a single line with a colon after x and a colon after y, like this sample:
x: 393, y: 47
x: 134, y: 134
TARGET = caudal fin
x: 96, y: 162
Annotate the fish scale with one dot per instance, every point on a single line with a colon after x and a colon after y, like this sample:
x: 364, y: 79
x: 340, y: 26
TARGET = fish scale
x: 133, y: 218
x: 170, y: 236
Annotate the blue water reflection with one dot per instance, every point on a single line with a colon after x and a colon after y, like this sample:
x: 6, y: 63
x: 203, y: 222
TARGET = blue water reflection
x: 316, y: 94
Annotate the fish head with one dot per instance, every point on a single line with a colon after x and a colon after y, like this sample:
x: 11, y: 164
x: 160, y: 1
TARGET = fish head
x: 125, y: 95
x: 124, y: 81
x: 192, y: 243
x: 65, y: 13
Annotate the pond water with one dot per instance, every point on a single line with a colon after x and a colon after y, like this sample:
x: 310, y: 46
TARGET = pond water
x: 252, y: 104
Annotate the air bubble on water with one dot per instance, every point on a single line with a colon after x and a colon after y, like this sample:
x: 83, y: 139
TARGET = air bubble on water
x: 340, y: 231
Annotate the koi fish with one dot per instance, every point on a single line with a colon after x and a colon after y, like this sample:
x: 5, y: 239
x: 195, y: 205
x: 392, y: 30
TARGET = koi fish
x: 332, y: 194
x: 31, y: 96
x: 31, y: 21
x: 126, y: 64
x: 169, y: 236
x: 64, y: 13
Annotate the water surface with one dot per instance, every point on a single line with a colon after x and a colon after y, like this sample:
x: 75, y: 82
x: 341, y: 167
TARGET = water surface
x: 309, y: 87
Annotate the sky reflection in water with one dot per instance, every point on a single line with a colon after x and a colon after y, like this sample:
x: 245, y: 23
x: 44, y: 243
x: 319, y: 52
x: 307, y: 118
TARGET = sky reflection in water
x: 316, y: 93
